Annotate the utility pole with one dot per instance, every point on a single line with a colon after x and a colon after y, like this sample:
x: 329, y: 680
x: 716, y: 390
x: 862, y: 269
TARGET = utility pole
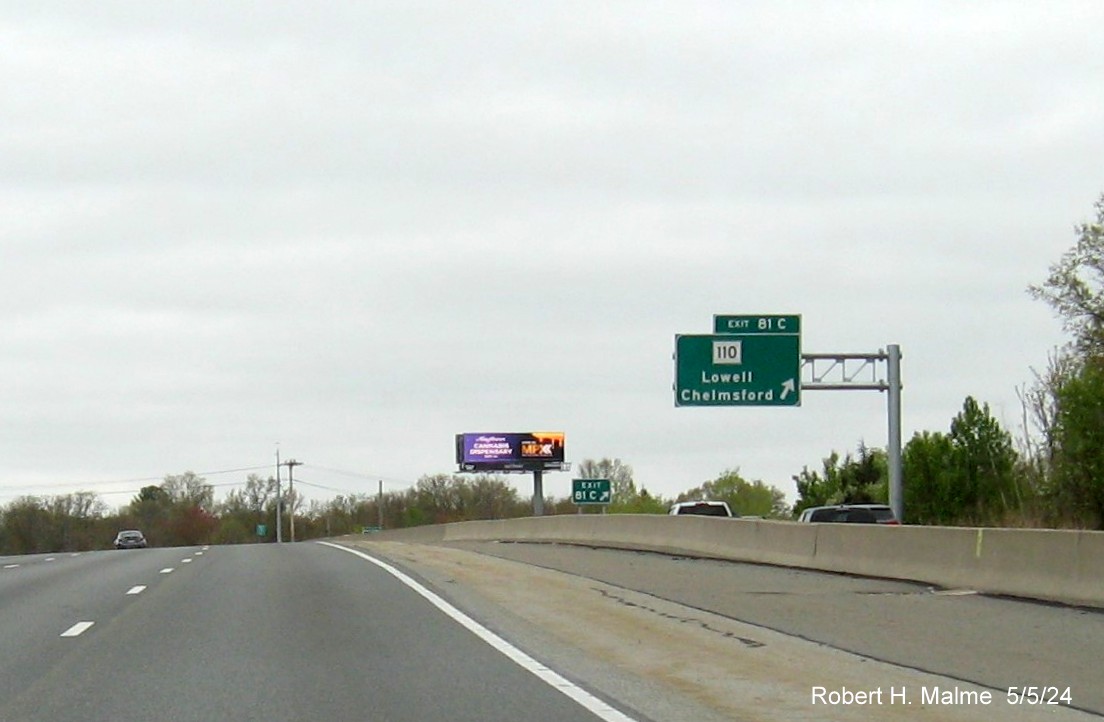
x: 291, y: 464
x: 279, y: 501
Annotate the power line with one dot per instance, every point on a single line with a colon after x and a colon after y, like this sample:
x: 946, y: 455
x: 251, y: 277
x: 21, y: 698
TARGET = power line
x: 325, y: 488
x: 340, y: 472
x: 60, y: 485
x: 138, y: 491
x: 84, y: 486
x: 360, y: 475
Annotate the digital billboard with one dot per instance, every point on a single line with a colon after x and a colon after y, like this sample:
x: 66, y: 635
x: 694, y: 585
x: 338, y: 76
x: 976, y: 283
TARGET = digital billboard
x: 510, y: 451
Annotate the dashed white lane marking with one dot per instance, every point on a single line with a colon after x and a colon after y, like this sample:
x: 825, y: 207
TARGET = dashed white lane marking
x: 77, y: 629
x: 199, y: 554
x: 185, y: 561
x: 137, y: 590
x: 11, y: 566
x: 585, y: 699
x: 51, y: 559
x: 167, y: 570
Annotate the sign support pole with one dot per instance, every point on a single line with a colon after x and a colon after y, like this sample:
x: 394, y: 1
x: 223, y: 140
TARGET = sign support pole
x: 538, y: 492
x: 893, y: 401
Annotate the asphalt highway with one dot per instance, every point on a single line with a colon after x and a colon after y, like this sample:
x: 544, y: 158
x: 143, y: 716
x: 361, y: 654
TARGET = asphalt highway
x: 385, y: 632
x: 258, y: 632
x: 992, y: 641
x: 769, y: 644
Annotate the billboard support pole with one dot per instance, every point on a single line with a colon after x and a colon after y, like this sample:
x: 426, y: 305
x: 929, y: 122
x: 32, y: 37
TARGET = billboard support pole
x: 538, y: 492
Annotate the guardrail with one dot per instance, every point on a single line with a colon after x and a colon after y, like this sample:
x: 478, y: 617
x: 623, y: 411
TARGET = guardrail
x: 1055, y: 565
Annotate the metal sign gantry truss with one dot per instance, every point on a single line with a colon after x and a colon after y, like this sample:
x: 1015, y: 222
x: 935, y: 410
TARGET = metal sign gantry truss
x: 859, y: 372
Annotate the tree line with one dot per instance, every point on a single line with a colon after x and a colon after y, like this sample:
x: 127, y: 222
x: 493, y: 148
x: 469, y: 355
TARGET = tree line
x: 182, y: 510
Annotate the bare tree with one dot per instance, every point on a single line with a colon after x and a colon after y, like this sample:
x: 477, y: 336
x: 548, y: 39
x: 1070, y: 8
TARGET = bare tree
x: 620, y: 475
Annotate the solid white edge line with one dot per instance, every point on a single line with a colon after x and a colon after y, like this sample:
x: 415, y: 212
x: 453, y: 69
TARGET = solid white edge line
x: 77, y: 629
x: 136, y: 590
x: 518, y: 657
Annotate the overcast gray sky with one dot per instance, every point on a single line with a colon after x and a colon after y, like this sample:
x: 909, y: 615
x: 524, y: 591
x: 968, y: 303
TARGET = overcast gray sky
x: 357, y: 229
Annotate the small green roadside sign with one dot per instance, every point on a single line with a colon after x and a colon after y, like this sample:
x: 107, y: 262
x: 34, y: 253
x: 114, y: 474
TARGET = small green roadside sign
x: 754, y: 361
x: 591, y: 491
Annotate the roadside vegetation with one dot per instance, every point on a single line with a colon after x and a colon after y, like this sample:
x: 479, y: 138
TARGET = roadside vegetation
x: 974, y: 473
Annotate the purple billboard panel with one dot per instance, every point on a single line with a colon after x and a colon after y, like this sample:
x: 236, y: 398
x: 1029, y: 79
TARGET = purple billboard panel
x: 490, y: 447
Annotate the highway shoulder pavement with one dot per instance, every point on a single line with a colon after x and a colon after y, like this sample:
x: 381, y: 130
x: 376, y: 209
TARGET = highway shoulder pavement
x: 673, y: 662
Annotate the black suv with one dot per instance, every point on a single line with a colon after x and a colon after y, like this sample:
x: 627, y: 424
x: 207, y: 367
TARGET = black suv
x: 850, y: 514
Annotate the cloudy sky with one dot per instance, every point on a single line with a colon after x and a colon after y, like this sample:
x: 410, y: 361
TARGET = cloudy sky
x: 355, y: 229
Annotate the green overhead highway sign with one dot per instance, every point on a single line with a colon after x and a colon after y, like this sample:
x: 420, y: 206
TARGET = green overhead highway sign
x: 755, y: 362
x: 756, y: 324
x: 591, y: 491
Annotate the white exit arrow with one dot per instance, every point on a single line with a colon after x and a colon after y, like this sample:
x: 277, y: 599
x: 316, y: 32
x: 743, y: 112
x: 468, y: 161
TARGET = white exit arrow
x: 788, y: 387
x: 605, y: 496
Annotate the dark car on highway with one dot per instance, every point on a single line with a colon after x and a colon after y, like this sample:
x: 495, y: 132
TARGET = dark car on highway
x: 850, y: 514
x: 130, y: 539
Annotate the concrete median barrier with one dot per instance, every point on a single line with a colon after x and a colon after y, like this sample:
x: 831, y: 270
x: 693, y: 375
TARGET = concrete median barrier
x: 1055, y: 565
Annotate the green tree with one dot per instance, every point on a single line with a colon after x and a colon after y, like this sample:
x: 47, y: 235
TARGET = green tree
x: 929, y: 477
x: 178, y: 512
x: 27, y: 526
x: 149, y: 511
x: 243, y: 509
x: 985, y: 460
x: 746, y: 498
x: 352, y: 513
x: 187, y: 489
x: 232, y: 530
x: 67, y: 522
x: 1077, y: 473
x: 444, y: 498
x: 75, y: 521
x: 816, y: 488
x: 437, y: 497
x: 627, y: 498
x: 640, y: 503
x: 487, y: 497
x: 1075, y: 286
x: 1064, y: 401
x: 862, y: 480
x: 967, y: 476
